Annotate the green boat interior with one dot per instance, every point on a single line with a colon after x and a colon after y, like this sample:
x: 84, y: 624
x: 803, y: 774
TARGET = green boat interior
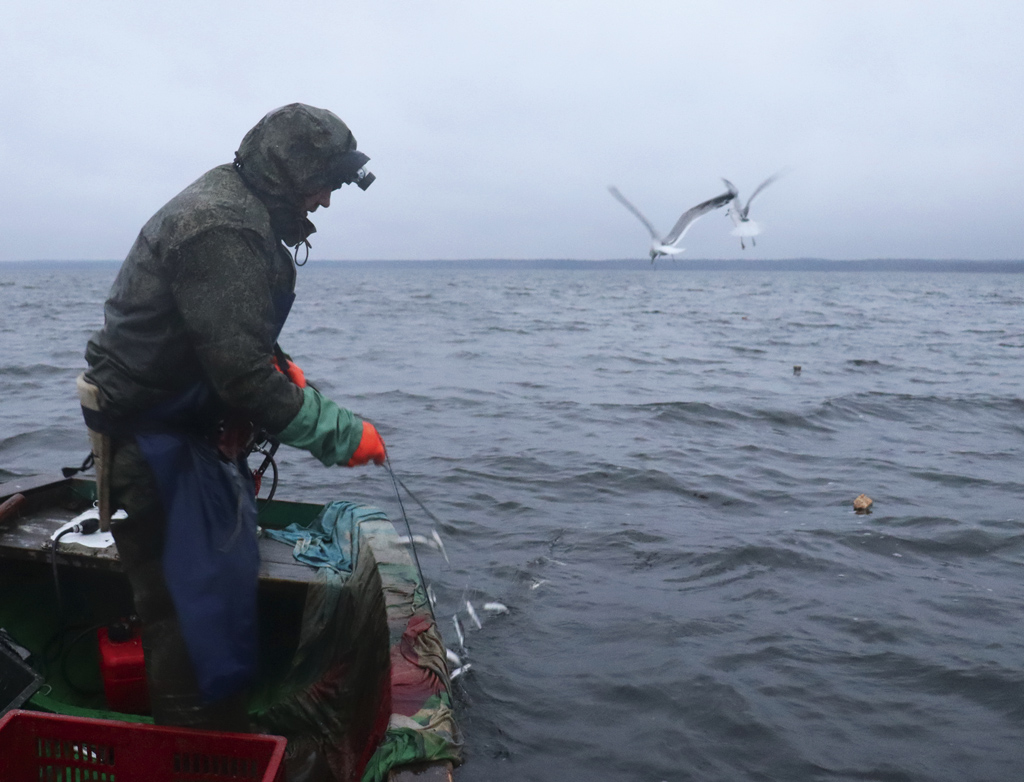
x: 335, y: 676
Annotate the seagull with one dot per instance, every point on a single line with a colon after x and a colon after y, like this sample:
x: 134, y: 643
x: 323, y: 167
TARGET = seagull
x: 667, y: 245
x: 745, y: 227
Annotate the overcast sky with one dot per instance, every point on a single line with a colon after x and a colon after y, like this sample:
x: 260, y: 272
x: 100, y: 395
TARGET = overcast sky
x: 495, y: 128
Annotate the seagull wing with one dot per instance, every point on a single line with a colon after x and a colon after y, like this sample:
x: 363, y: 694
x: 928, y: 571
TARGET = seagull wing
x: 622, y: 200
x: 738, y: 208
x: 690, y: 215
x: 761, y: 187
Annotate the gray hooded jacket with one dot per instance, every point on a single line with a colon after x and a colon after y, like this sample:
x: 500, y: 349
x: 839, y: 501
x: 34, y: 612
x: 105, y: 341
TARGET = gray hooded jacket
x: 204, y: 290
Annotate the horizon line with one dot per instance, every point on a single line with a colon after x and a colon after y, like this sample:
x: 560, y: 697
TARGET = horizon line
x: 631, y: 261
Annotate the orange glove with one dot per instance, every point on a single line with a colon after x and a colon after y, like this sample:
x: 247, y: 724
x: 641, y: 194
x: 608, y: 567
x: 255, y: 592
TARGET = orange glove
x: 371, y: 447
x: 296, y: 375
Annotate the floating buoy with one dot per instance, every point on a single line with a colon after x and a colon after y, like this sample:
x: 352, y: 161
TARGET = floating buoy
x: 862, y: 503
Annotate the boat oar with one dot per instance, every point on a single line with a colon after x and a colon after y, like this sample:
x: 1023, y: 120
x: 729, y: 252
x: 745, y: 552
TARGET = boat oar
x: 10, y: 506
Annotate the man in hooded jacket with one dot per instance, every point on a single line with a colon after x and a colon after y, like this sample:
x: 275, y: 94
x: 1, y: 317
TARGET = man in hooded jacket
x: 186, y: 364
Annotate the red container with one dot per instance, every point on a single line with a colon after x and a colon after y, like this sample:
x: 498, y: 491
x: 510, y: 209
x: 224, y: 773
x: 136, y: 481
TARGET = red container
x: 123, y: 667
x: 35, y: 746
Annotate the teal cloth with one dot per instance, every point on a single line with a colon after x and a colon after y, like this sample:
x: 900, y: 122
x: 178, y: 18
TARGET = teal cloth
x: 331, y: 540
x: 329, y: 432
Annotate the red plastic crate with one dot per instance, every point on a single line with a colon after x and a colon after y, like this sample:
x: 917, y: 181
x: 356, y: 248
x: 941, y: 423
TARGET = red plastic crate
x: 36, y: 746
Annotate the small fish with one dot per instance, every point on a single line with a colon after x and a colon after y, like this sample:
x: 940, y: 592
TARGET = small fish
x: 473, y: 616
x: 459, y: 671
x: 453, y: 658
x: 440, y: 544
x: 419, y: 540
x: 496, y: 608
x: 431, y: 596
x: 458, y: 632
x: 537, y: 583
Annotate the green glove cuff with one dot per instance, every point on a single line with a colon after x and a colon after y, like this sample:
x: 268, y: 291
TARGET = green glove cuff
x: 329, y: 432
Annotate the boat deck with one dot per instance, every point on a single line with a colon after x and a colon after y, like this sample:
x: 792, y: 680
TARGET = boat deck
x: 52, y: 501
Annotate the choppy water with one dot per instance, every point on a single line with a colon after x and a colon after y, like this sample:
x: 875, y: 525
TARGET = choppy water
x: 709, y: 607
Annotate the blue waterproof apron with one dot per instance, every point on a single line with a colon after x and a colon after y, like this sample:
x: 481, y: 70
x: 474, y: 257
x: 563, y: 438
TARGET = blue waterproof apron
x: 210, y: 559
x: 211, y: 556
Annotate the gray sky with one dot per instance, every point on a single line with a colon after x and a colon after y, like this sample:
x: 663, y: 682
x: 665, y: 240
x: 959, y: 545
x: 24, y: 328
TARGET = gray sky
x: 495, y: 128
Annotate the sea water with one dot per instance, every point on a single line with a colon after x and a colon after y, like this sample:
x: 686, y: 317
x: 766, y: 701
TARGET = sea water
x: 631, y: 462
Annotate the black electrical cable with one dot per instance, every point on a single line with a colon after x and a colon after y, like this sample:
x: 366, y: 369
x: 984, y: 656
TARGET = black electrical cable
x: 273, y: 485
x: 64, y: 662
x: 56, y: 577
x: 268, y: 450
x: 84, y: 527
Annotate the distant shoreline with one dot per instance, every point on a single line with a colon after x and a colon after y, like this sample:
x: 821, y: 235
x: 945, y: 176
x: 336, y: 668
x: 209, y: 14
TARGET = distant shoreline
x: 788, y: 265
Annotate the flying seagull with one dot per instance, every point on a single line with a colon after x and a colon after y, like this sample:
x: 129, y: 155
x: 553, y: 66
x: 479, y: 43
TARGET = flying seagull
x: 745, y: 227
x: 667, y: 245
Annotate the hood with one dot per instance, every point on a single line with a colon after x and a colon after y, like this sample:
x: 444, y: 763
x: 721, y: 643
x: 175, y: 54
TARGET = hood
x: 293, y: 152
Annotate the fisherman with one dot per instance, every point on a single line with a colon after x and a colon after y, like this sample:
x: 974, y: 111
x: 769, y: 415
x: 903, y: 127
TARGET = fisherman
x: 184, y: 373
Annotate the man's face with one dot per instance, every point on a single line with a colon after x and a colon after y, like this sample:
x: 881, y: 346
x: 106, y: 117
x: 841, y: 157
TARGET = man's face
x: 312, y: 202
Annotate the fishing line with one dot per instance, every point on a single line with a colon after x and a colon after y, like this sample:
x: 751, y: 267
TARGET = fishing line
x: 450, y: 656
x: 395, y: 481
x: 415, y: 499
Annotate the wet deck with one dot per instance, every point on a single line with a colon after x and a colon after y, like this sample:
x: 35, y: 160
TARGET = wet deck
x: 50, y: 502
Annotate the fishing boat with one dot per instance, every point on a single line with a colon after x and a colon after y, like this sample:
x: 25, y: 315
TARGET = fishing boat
x: 353, y: 670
